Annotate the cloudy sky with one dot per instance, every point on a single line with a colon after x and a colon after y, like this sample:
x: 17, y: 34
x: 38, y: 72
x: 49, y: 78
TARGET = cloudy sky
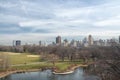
x: 34, y: 20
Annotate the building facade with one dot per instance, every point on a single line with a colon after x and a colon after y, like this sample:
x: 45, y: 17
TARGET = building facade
x: 90, y: 40
x: 16, y: 42
x: 58, y: 40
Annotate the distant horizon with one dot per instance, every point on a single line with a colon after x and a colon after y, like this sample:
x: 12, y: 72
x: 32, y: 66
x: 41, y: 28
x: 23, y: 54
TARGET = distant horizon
x: 32, y: 21
x: 53, y: 38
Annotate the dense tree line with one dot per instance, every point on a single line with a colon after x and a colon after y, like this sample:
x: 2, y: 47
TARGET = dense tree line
x: 107, y: 62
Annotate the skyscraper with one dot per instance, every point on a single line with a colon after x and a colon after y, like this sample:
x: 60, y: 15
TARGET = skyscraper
x: 58, y: 40
x: 40, y: 43
x: 65, y: 43
x: 90, y: 40
x: 16, y: 43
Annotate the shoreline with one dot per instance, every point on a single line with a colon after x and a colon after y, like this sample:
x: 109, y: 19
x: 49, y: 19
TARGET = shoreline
x: 70, y: 70
x: 4, y: 74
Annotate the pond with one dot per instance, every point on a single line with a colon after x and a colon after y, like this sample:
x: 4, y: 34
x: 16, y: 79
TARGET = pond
x: 78, y: 74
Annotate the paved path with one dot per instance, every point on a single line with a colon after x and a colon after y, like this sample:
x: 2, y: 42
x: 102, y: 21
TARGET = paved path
x: 28, y: 64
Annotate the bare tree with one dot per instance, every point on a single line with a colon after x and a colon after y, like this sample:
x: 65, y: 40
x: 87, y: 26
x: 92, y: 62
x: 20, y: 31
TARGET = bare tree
x: 4, y: 61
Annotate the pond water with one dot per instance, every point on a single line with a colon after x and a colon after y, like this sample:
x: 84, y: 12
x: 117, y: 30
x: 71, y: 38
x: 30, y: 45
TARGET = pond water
x: 79, y: 74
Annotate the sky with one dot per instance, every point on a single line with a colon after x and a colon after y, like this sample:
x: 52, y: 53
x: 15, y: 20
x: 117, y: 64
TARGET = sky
x: 34, y: 20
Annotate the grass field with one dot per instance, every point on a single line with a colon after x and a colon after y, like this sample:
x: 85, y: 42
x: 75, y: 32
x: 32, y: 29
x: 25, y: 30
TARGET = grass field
x: 21, y: 58
x: 33, y: 66
x: 26, y: 61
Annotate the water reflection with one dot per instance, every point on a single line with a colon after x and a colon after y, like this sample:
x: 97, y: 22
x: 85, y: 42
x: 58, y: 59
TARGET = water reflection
x: 79, y: 74
x: 6, y: 78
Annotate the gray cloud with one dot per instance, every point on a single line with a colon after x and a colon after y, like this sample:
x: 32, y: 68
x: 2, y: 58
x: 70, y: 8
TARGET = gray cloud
x: 59, y: 17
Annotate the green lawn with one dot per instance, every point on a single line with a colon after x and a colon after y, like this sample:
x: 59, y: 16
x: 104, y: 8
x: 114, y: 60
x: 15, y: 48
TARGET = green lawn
x: 33, y: 66
x: 26, y: 60
x: 20, y: 58
x: 62, y: 66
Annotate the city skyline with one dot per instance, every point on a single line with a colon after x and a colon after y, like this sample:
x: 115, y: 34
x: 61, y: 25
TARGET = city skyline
x: 58, y: 40
x: 32, y: 21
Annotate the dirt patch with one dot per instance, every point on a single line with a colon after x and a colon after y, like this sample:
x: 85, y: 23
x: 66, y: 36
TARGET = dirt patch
x: 33, y: 56
x: 11, y: 53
